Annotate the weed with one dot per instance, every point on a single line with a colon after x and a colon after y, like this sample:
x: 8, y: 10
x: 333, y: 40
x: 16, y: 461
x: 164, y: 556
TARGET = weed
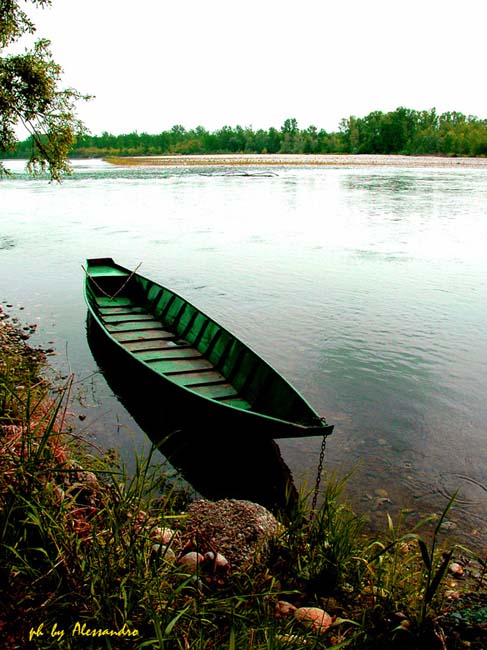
x: 77, y: 554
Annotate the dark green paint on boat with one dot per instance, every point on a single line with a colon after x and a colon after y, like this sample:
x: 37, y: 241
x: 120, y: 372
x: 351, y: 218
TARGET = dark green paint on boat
x: 226, y: 383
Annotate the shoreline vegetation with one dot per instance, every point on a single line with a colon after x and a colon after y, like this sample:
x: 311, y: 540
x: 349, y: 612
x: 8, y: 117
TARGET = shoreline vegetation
x: 88, y: 552
x: 404, y: 131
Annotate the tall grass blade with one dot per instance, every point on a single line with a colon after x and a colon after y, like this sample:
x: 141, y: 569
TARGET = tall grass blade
x: 173, y: 622
x: 445, y: 512
x: 231, y: 642
x: 424, y: 553
x: 158, y: 630
x: 438, y: 577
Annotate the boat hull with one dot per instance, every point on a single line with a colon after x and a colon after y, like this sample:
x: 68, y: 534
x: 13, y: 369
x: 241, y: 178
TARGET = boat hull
x: 217, y: 466
x: 181, y: 355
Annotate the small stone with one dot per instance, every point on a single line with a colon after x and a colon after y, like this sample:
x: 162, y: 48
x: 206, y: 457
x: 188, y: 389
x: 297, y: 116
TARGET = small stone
x: 162, y: 535
x: 91, y: 480
x: 139, y: 520
x: 192, y: 561
x: 284, y: 609
x: 219, y: 561
x: 456, y: 569
x: 314, y: 617
x: 164, y: 552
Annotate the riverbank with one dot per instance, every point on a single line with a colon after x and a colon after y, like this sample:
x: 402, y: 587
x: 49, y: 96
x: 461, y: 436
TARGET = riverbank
x: 332, y: 160
x: 88, y: 552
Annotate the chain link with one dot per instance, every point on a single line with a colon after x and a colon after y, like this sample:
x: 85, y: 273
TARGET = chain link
x: 318, y: 475
x: 118, y: 290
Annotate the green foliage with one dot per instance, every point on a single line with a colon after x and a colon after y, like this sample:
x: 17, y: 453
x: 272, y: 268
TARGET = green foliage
x: 319, y: 548
x: 227, y: 140
x: 406, y: 131
x: 30, y: 96
x: 403, y: 131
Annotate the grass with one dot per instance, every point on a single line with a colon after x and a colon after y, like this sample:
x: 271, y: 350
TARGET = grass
x: 79, y: 567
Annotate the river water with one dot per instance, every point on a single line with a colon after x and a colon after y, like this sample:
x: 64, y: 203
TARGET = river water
x: 366, y: 287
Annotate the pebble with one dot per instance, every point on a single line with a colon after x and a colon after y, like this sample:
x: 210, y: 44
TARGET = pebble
x: 164, y: 552
x: 314, y: 617
x: 192, y: 561
x: 284, y: 609
x: 162, y: 535
x: 456, y: 569
x: 219, y: 561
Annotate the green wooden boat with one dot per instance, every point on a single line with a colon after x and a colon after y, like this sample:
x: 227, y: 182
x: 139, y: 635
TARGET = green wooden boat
x: 170, y: 344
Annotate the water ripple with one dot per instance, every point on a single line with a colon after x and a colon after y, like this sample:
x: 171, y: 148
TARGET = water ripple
x: 471, y: 491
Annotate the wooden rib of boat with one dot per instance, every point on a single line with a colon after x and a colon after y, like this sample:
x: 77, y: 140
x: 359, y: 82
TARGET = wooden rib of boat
x: 225, y: 385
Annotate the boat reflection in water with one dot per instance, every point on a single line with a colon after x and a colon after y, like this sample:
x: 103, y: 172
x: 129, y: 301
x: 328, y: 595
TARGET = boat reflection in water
x: 217, y: 464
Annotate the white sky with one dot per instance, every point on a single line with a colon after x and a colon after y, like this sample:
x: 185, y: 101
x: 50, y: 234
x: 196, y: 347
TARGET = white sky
x: 152, y: 63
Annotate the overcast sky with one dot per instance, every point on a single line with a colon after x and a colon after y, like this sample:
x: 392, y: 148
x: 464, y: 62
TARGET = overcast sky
x: 152, y: 63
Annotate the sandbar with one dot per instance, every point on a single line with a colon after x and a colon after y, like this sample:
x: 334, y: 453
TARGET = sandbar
x: 332, y: 160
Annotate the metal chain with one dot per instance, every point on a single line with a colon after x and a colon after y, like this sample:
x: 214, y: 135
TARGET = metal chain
x: 318, y: 475
x: 118, y: 290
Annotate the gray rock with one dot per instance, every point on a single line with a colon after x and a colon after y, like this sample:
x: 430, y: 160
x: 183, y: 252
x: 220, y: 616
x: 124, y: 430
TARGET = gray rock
x: 239, y: 530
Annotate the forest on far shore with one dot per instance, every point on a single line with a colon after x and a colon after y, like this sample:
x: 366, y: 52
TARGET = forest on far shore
x: 403, y: 131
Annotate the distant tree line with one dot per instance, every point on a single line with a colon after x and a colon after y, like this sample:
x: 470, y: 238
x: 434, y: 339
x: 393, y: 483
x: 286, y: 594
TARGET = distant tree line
x: 406, y: 131
x: 403, y: 131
